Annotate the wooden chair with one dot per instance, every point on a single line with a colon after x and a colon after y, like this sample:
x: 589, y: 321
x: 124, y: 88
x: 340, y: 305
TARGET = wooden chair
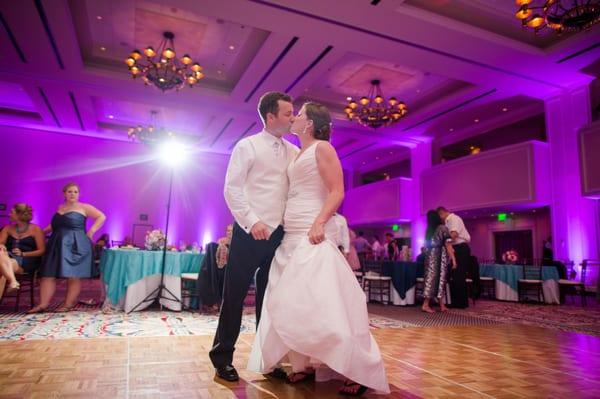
x: 27, y: 282
x: 577, y: 287
x: 375, y: 282
x: 189, y: 287
x: 531, y: 280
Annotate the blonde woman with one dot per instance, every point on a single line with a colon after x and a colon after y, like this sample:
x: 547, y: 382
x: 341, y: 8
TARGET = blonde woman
x: 21, y: 246
x: 69, y: 252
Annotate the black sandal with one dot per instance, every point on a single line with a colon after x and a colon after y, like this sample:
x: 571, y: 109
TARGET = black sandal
x: 359, y: 392
x: 304, y: 377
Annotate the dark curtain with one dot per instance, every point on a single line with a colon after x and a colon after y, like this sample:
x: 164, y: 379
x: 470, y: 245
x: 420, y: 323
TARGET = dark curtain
x: 518, y: 240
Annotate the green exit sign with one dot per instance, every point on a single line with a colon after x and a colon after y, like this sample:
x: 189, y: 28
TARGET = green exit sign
x: 502, y: 217
x: 395, y: 227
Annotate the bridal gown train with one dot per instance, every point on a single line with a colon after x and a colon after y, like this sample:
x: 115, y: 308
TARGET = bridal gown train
x: 314, y: 311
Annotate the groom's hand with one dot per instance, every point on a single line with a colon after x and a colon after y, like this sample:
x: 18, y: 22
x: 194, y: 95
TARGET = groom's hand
x: 260, y: 231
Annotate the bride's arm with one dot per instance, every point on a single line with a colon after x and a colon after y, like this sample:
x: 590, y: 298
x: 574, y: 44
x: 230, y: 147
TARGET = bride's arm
x: 330, y: 170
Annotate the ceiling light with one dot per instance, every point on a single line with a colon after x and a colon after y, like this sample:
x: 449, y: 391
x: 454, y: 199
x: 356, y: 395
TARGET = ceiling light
x: 373, y: 111
x: 103, y: 48
x: 111, y: 116
x: 558, y: 15
x: 451, y: 129
x: 162, y: 68
x: 99, y: 17
x: 476, y: 120
x: 231, y: 47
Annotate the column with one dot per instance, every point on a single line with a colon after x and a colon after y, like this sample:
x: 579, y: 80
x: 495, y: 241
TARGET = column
x: 573, y: 217
x: 420, y: 160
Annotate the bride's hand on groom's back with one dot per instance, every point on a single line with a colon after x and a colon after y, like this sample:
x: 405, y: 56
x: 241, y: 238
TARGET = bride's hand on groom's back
x: 260, y: 231
x: 316, y: 234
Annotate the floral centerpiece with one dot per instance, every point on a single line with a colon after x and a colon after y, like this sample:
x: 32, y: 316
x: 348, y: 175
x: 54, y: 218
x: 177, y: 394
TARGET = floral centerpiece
x: 155, y: 240
x: 510, y: 257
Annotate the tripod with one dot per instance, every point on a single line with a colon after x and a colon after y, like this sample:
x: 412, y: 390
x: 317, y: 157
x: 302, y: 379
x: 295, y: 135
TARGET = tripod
x: 157, y: 294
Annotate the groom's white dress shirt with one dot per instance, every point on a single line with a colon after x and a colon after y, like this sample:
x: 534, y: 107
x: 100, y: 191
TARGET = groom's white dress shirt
x: 256, y: 183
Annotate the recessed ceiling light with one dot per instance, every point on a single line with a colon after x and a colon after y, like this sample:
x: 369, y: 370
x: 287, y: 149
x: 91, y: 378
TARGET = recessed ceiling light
x: 99, y: 17
x: 476, y: 120
x: 364, y: 163
x: 504, y: 109
x: 231, y: 47
x: 533, y: 211
x: 451, y: 129
x: 391, y: 152
x: 376, y: 157
x: 219, y: 71
x: 348, y: 98
x: 102, y: 48
x: 111, y: 116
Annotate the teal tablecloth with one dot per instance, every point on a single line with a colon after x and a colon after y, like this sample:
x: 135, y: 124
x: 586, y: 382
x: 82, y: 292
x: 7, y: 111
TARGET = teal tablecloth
x: 121, y: 267
x: 510, y: 274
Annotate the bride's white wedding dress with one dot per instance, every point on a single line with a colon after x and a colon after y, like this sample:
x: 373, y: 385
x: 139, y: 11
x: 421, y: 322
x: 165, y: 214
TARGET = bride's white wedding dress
x: 314, y: 311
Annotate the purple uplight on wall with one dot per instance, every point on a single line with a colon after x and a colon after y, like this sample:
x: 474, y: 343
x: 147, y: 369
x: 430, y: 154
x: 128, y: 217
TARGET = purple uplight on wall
x: 120, y: 178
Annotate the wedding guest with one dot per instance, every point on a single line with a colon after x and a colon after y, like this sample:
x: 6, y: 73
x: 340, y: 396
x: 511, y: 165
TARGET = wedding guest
x: 69, y: 253
x: 439, y: 257
x: 21, y: 246
x: 362, y: 246
x: 392, y: 252
x: 460, y: 243
x: 352, y: 258
x: 377, y: 248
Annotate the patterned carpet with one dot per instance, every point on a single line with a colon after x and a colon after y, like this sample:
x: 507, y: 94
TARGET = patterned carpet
x: 90, y: 322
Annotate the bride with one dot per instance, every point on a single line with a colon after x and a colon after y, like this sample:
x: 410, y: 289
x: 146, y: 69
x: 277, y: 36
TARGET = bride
x: 314, y: 313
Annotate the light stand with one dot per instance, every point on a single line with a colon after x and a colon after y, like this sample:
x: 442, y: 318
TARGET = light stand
x: 158, y: 293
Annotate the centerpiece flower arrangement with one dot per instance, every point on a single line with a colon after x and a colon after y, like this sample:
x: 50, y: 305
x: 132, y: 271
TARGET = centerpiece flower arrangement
x: 155, y: 240
x: 510, y: 257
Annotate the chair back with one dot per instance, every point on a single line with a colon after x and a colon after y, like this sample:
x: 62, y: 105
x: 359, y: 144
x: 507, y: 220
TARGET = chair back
x: 116, y: 243
x: 373, y: 266
x: 588, y: 267
x: 531, y: 272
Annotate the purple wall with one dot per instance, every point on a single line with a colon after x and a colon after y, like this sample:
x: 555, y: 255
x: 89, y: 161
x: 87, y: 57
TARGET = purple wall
x: 589, y: 148
x: 122, y: 179
x: 382, y: 202
x: 482, y: 231
x: 515, y: 175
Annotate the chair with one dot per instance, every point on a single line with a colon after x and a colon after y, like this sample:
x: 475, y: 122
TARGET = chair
x: 359, y: 276
x: 27, y: 281
x: 375, y: 282
x: 531, y: 280
x: 189, y: 286
x: 488, y: 286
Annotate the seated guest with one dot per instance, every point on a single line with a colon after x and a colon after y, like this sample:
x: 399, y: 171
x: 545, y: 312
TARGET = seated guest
x: 421, y: 259
x: 21, y: 246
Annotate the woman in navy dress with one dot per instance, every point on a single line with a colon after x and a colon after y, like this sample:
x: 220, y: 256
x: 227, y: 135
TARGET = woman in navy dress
x: 21, y: 246
x: 69, y: 251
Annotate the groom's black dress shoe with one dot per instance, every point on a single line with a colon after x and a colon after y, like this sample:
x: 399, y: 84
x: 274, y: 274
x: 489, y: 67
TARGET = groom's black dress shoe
x: 278, y: 373
x: 228, y: 373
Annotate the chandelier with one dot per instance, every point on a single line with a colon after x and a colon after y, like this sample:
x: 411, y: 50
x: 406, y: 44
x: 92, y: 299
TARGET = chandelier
x: 373, y: 111
x: 559, y: 15
x: 148, y: 134
x: 162, y: 69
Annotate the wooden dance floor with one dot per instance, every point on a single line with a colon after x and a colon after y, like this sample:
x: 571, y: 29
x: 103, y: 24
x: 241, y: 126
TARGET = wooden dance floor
x: 502, y: 361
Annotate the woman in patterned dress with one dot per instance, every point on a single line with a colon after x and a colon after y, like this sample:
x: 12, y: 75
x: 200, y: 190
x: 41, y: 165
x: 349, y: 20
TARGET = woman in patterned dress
x: 439, y: 255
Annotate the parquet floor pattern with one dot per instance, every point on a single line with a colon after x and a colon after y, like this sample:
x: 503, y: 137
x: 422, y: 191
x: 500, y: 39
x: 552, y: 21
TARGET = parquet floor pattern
x: 502, y: 361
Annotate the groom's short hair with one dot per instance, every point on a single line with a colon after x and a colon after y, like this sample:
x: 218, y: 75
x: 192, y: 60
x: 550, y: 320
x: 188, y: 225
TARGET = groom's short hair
x: 268, y: 103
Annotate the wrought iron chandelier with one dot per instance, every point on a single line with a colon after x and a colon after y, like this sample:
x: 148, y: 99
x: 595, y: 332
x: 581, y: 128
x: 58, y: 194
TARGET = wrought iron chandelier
x: 162, y: 69
x: 373, y: 111
x: 148, y: 134
x: 559, y: 15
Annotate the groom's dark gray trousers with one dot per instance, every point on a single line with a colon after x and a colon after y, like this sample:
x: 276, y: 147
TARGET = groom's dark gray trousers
x: 245, y: 257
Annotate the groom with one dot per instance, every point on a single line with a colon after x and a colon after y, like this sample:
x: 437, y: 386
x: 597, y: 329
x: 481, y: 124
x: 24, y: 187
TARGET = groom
x: 256, y: 187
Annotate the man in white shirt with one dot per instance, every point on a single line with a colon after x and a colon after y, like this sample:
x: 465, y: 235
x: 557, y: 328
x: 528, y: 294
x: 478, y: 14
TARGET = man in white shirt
x: 343, y: 234
x: 460, y: 243
x: 256, y: 187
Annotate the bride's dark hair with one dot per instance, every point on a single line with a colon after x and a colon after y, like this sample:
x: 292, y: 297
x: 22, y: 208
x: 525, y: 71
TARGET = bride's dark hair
x: 321, y: 118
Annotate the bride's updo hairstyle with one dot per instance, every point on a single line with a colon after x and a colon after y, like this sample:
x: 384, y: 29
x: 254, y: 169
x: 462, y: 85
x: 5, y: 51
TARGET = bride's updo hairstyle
x: 321, y: 118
